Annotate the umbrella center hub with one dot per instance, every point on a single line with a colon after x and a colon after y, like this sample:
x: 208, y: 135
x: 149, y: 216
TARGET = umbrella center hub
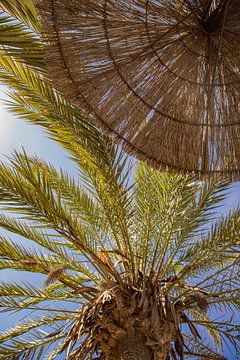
x: 214, y: 21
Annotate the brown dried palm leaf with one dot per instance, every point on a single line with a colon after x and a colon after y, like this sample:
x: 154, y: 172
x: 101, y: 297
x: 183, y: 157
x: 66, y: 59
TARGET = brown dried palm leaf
x: 54, y: 275
x: 161, y: 76
x: 27, y: 264
x: 117, y: 313
x: 146, y: 313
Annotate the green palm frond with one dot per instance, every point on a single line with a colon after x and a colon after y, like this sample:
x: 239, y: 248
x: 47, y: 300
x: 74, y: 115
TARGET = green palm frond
x: 23, y: 328
x: 178, y: 212
x: 30, y: 349
x: 20, y: 42
x: 35, y: 190
x: 28, y: 292
x: 196, y: 349
x: 102, y: 165
x: 216, y: 249
x: 19, y: 36
x: 16, y: 297
x: 16, y: 256
x: 202, y: 318
x: 21, y: 10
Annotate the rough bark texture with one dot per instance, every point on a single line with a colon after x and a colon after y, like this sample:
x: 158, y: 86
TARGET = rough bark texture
x: 132, y: 348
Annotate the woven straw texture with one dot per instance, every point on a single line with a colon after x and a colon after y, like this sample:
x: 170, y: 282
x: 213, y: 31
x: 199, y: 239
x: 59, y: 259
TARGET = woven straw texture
x: 161, y: 76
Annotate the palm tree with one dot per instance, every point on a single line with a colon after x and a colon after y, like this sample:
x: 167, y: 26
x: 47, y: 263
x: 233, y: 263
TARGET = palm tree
x: 131, y: 271
x: 135, y: 266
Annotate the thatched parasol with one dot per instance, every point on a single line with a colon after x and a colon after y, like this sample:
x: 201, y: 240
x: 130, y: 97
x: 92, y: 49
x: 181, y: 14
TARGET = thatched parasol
x: 162, y: 76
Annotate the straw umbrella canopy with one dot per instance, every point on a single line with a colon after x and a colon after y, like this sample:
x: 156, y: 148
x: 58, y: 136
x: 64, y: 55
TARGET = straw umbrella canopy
x: 161, y: 76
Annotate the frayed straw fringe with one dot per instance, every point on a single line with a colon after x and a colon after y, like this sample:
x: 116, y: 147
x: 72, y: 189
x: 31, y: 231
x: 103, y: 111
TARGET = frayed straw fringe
x: 152, y: 78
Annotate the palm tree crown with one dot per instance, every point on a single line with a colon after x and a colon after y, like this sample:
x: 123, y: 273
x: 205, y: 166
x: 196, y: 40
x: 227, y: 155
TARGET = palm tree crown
x: 135, y: 267
x: 132, y: 259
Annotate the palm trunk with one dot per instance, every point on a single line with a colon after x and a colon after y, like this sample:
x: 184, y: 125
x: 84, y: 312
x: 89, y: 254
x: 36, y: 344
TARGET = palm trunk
x: 132, y: 348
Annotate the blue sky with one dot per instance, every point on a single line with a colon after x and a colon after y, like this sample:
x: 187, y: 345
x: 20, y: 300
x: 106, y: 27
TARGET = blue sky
x: 16, y: 133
